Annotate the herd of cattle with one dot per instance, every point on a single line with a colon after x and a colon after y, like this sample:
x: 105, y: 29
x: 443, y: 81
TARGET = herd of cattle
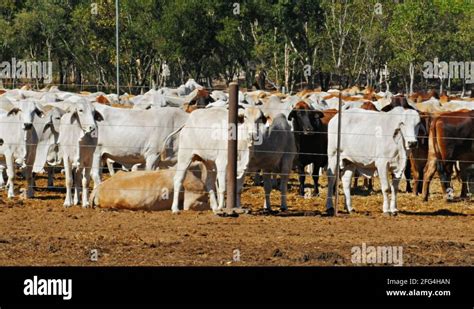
x: 174, y: 141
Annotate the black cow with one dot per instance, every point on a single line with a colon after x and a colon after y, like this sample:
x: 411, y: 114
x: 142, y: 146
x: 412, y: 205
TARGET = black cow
x: 310, y: 130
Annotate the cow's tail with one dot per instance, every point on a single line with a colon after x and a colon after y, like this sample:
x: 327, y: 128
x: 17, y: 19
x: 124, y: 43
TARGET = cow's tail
x: 166, y: 151
x: 439, y: 147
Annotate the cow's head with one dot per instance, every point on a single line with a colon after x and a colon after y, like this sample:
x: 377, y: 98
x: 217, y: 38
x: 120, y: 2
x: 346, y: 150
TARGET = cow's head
x: 397, y: 101
x: 27, y: 110
x: 305, y: 119
x: 52, y: 117
x: 202, y: 98
x: 408, y: 126
x: 86, y: 116
x: 252, y: 122
x: 47, y: 149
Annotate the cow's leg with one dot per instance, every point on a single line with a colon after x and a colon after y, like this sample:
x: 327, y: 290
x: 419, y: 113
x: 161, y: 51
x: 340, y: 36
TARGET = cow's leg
x: 445, y: 172
x: 464, y: 174
x: 151, y: 162
x: 184, y: 160
x: 110, y: 166
x: 95, y: 168
x: 86, y: 177
x: 419, y: 180
x: 240, y: 185
x: 356, y: 180
x: 370, y: 185
x: 407, y: 174
x: 221, y: 168
x: 69, y: 181
x: 77, y: 189
x: 10, y: 174
x: 316, y: 179
x: 267, y: 187
x: 393, y: 198
x: 2, y: 180
x: 29, y: 181
x: 346, y: 185
x: 211, y: 184
x: 415, y: 172
x: 429, y: 171
x: 50, y: 170
x: 257, y: 178
x: 284, y: 176
x: 383, y: 176
x: 301, y: 177
x: 331, y: 182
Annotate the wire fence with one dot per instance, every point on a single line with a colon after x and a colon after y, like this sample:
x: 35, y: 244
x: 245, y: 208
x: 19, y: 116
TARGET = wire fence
x: 256, y: 150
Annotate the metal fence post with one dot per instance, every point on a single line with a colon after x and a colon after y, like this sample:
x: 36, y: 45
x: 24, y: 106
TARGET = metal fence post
x: 338, y: 153
x: 232, y: 147
x: 117, y: 47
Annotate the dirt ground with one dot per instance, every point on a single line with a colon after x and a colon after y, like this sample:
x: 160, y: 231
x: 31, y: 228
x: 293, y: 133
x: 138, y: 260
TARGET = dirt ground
x: 41, y: 231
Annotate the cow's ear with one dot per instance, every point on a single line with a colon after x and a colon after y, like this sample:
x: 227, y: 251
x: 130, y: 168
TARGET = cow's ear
x: 292, y: 115
x: 73, y: 116
x: 267, y: 120
x: 396, y: 133
x: 48, y: 125
x: 318, y: 114
x: 98, y: 116
x: 387, y: 108
x: 39, y: 112
x: 13, y: 111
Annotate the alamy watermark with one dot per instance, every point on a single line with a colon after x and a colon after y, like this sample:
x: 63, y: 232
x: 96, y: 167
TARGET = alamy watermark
x: 24, y: 69
x: 377, y: 255
x: 226, y: 131
x: 452, y: 69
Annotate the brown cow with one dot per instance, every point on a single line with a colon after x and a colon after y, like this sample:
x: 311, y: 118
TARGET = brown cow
x: 450, y: 139
x: 419, y: 155
x: 421, y: 96
x: 102, y: 99
x: 201, y: 98
x: 149, y: 190
x: 367, y: 105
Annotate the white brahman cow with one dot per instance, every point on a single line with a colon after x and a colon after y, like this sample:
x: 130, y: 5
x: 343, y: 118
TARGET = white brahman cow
x: 371, y: 141
x: 204, y: 138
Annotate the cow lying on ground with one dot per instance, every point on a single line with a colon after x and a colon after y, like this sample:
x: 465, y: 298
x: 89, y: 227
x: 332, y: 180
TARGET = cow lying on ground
x: 150, y: 190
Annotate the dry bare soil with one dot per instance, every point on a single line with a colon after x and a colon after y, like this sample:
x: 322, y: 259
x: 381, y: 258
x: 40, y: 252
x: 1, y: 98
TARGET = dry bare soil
x: 41, y: 231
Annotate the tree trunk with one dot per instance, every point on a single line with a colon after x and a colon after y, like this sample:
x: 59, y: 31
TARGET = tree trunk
x: 449, y: 83
x: 287, y: 67
x: 412, y: 76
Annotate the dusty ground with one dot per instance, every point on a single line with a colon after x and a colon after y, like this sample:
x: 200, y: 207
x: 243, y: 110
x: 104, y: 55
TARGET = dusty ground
x: 41, y: 232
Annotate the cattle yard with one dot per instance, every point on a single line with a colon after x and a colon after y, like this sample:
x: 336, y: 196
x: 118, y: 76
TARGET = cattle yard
x: 41, y: 231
